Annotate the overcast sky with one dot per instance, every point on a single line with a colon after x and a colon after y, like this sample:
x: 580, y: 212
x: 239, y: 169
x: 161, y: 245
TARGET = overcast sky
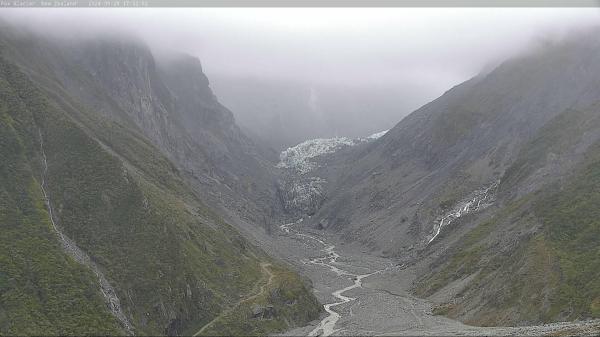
x: 427, y: 47
x: 412, y: 54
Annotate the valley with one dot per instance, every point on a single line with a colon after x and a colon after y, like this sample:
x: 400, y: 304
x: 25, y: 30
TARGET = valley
x: 132, y: 203
x: 368, y: 295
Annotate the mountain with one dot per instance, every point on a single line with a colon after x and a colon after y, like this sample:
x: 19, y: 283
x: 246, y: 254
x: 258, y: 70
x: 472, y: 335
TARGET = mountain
x: 283, y: 113
x: 486, y: 193
x: 113, y: 167
x: 535, y: 258
x: 125, y: 186
x: 168, y: 100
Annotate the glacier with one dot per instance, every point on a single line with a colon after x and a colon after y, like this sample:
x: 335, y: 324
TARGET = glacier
x: 300, y: 157
x: 302, y: 193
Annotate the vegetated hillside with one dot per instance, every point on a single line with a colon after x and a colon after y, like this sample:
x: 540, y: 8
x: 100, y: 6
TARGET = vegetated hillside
x: 173, y: 263
x: 537, y: 259
x: 42, y: 290
x: 477, y: 185
x: 168, y: 100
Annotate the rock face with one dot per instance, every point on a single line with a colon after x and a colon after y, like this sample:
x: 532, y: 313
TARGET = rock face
x: 266, y: 312
x: 489, y: 192
x: 215, y: 154
x: 498, y: 129
x: 169, y: 101
x: 456, y: 144
x: 141, y: 159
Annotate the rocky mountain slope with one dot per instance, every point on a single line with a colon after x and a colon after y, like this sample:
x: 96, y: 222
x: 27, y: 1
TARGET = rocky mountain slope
x: 166, y: 99
x: 536, y: 256
x: 103, y: 231
x: 483, y: 192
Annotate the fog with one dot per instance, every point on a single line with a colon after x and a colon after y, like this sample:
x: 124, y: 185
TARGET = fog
x: 292, y: 74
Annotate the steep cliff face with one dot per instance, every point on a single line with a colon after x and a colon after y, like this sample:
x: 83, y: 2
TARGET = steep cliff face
x: 240, y: 174
x: 126, y: 73
x: 195, y: 101
x: 93, y: 129
x: 169, y: 101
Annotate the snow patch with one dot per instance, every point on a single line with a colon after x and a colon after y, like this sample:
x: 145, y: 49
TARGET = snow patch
x: 377, y: 135
x: 303, y: 193
x: 300, y: 157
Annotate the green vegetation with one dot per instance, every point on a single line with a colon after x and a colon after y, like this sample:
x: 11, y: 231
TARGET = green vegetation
x: 463, y: 263
x: 42, y: 291
x: 557, y: 137
x: 465, y: 258
x: 289, y: 306
x: 515, y: 275
x: 173, y: 263
x: 443, y: 309
x: 571, y: 219
x: 538, y: 259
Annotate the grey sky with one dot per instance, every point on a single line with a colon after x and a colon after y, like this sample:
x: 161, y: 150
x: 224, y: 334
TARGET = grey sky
x: 414, y: 54
x: 427, y: 47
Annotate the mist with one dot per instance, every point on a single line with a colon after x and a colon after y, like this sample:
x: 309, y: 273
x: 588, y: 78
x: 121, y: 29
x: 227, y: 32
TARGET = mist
x: 294, y: 74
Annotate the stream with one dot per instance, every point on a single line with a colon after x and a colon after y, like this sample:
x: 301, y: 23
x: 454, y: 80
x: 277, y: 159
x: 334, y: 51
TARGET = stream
x: 477, y: 201
x: 327, y: 325
x: 381, y: 305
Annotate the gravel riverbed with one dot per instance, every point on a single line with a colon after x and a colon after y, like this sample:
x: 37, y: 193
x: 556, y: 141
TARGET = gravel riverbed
x: 366, y: 295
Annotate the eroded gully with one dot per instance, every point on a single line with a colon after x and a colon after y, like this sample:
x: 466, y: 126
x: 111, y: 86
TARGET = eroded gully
x: 72, y: 249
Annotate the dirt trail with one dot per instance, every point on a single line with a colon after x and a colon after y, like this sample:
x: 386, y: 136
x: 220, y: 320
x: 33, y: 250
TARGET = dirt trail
x: 259, y: 289
x: 265, y: 270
